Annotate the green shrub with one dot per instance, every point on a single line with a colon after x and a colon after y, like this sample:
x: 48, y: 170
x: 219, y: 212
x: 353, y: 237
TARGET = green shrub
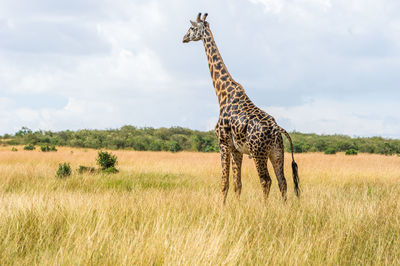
x: 330, y: 151
x: 29, y: 147
x: 110, y: 170
x: 106, y: 160
x: 64, y: 170
x: 14, y: 149
x: 85, y: 169
x: 351, y: 152
x: 46, y: 148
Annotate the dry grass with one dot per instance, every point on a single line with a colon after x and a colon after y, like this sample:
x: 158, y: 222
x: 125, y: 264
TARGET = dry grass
x: 164, y: 208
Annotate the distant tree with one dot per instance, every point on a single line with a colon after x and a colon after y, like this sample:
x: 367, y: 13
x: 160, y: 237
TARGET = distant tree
x: 156, y: 145
x: 23, y: 131
x: 173, y: 146
x: 197, y: 142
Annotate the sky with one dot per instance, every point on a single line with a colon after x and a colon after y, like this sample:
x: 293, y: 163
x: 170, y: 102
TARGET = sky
x: 317, y: 66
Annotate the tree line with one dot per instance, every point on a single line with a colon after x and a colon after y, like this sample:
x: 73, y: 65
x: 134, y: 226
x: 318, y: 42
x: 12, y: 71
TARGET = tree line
x: 172, y: 139
x: 176, y: 139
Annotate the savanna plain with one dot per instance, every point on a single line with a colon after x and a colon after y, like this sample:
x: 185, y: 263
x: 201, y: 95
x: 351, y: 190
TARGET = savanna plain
x: 165, y: 208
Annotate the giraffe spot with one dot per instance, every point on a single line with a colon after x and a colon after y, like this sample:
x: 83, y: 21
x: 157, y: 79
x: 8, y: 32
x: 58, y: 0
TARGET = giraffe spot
x: 224, y: 78
x: 242, y: 119
x: 230, y: 89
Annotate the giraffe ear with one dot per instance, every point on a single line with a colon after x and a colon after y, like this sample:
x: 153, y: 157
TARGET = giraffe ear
x: 194, y: 24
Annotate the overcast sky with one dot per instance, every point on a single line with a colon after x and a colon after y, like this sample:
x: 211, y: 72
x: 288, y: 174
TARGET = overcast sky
x: 323, y: 66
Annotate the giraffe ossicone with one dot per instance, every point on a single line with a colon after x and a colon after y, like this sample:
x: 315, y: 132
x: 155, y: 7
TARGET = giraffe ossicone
x: 242, y: 127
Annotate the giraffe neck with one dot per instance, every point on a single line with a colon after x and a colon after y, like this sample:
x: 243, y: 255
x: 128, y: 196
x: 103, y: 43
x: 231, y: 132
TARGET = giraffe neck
x: 219, y: 73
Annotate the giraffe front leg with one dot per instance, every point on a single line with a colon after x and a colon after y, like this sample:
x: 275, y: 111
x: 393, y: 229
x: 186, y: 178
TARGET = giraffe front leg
x: 237, y: 158
x: 225, y: 162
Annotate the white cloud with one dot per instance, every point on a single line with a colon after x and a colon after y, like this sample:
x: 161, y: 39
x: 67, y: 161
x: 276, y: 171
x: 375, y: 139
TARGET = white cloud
x: 270, y: 5
x: 326, y: 116
x: 278, y: 6
x: 129, y: 64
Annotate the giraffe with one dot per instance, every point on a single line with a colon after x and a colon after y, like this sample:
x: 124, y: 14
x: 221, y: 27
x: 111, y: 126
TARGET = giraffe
x: 242, y: 127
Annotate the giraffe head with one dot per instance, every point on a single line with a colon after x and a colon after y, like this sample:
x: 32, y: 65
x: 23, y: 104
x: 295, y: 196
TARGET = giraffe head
x: 197, y: 29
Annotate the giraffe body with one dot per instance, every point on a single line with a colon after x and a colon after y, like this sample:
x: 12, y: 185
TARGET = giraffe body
x: 242, y: 127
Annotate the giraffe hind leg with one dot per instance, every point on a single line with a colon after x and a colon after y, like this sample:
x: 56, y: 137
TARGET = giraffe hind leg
x: 277, y: 160
x: 265, y: 179
x: 237, y: 158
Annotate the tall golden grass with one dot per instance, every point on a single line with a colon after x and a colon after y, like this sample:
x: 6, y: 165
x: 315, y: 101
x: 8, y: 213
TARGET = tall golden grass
x: 164, y: 208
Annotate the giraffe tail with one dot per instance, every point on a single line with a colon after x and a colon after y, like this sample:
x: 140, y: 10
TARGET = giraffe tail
x: 294, y: 165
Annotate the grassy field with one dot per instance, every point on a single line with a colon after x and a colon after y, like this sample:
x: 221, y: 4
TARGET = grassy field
x: 164, y: 208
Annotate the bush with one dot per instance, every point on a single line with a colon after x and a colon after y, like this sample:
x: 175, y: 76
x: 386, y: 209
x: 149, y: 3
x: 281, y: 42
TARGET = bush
x: 106, y: 160
x: 330, y: 151
x: 14, y: 149
x: 85, y: 169
x: 351, y: 152
x: 46, y: 148
x: 110, y: 170
x: 29, y: 147
x: 64, y: 170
